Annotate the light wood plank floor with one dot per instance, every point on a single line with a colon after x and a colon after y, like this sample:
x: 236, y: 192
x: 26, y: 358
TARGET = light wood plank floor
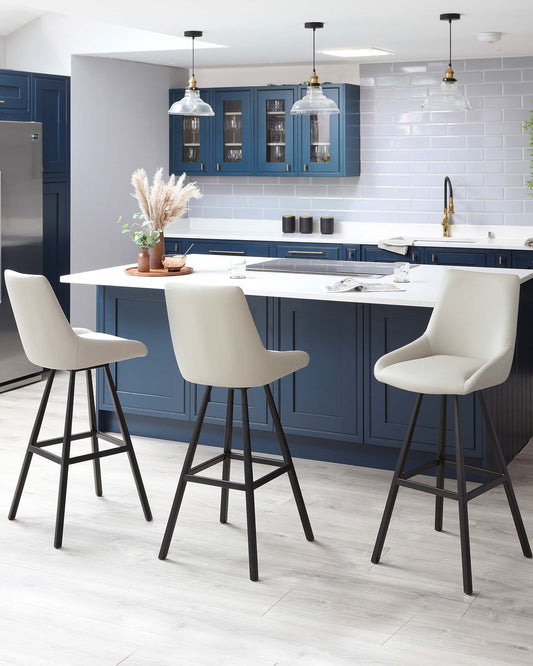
x: 105, y: 599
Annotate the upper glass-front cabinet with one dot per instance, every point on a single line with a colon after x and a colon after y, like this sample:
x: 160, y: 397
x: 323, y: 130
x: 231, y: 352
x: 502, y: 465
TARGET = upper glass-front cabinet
x: 189, y: 139
x: 254, y: 133
x: 233, y: 136
x: 275, y: 130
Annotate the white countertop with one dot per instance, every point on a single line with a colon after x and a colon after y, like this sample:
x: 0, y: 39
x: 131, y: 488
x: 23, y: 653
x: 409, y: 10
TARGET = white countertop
x: 214, y: 270
x: 423, y: 235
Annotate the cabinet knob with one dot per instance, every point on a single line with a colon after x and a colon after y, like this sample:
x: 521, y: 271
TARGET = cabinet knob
x: 305, y: 167
x: 218, y: 166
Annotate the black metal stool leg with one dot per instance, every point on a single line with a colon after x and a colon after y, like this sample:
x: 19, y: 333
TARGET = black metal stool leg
x: 249, y: 492
x: 439, y: 501
x: 462, y: 502
x: 187, y: 464
x: 393, y: 491
x: 94, y: 430
x: 33, y: 439
x: 65, y: 462
x: 227, y: 460
x: 127, y: 440
x: 507, y: 484
x: 295, y: 485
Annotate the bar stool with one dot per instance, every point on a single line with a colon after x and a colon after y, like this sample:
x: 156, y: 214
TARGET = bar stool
x: 217, y: 344
x: 468, y: 346
x: 49, y: 341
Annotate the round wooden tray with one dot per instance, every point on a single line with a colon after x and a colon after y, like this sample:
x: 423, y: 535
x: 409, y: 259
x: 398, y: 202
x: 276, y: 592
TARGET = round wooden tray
x: 158, y: 272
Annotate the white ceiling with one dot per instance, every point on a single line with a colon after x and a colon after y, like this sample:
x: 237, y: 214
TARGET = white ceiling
x: 272, y: 32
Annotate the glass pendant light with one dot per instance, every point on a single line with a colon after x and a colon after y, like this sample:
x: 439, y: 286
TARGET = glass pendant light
x: 447, y: 98
x: 191, y: 104
x: 314, y: 100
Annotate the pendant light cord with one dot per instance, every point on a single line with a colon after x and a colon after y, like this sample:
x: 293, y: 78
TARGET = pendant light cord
x: 450, y: 22
x: 314, y: 31
x: 193, y: 57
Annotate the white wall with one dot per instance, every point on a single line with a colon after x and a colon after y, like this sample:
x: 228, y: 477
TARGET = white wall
x: 344, y: 72
x: 2, y: 52
x: 119, y: 123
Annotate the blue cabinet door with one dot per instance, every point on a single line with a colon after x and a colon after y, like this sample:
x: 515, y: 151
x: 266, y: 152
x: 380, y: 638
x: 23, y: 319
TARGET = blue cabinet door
x: 457, y: 257
x: 352, y: 252
x: 151, y: 385
x: 308, y: 251
x: 522, y: 259
x: 388, y: 409
x: 173, y: 246
x: 257, y: 406
x: 190, y: 139
x: 56, y: 239
x: 325, y: 399
x: 320, y: 139
x: 500, y: 258
x: 51, y: 107
x: 374, y: 253
x: 15, y: 101
x: 275, y: 138
x: 233, y: 131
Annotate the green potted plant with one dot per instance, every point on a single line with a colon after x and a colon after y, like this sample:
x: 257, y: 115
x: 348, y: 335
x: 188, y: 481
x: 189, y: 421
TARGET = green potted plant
x: 528, y: 126
x: 145, y: 237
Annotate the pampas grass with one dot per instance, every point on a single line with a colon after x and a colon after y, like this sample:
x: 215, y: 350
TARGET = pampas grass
x: 162, y: 203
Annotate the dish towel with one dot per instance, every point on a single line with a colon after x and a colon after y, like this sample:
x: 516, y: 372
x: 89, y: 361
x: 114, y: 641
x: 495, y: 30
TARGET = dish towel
x: 397, y: 245
x: 529, y: 242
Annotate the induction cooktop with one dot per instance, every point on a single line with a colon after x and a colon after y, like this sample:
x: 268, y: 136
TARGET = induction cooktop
x: 324, y: 267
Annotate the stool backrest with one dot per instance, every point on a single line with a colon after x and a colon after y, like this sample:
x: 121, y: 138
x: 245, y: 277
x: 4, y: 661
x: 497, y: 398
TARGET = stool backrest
x: 214, y: 335
x: 476, y: 316
x: 46, y: 335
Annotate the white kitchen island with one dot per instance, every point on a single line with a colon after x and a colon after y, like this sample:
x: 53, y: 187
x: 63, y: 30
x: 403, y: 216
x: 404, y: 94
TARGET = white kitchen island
x: 332, y: 410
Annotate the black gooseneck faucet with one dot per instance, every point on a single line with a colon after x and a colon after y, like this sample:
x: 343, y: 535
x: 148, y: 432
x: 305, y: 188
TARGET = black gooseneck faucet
x: 448, y: 207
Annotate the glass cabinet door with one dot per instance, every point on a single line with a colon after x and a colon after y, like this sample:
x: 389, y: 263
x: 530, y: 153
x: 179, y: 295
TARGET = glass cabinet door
x: 189, y: 140
x: 275, y: 130
x: 233, y: 131
x: 320, y: 139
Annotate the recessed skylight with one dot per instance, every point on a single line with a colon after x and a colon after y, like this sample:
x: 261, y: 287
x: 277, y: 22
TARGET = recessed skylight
x: 356, y: 53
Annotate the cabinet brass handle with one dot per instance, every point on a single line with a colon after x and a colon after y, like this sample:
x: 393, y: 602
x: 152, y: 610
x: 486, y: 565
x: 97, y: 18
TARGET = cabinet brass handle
x: 227, y: 252
x: 412, y: 256
x: 288, y: 167
x: 218, y: 167
x: 305, y: 167
x: 175, y: 247
x: 350, y: 254
x: 202, y: 166
x: 2, y: 101
x: 433, y: 258
x: 305, y: 252
x: 500, y: 260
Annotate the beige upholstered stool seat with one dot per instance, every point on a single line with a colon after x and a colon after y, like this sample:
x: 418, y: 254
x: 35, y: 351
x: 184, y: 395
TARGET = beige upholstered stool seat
x: 438, y: 374
x: 94, y: 349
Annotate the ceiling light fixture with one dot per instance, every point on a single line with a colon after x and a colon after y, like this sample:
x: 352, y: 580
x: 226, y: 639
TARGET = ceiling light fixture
x: 357, y: 53
x: 191, y: 104
x: 447, y: 98
x: 314, y: 100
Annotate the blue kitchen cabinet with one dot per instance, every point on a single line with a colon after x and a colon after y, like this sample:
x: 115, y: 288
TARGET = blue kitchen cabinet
x: 352, y: 253
x: 275, y: 130
x: 388, y: 409
x: 15, y: 98
x: 374, y: 253
x: 308, y: 251
x: 325, y: 399
x: 190, y: 139
x: 522, y: 259
x: 456, y: 257
x: 174, y: 246
x: 51, y: 107
x: 229, y: 248
x: 254, y: 134
x: 152, y: 385
x: 258, y: 412
x: 500, y: 258
x: 233, y: 143
x: 56, y: 238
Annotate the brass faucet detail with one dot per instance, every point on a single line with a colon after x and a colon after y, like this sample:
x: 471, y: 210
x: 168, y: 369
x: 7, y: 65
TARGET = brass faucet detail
x: 448, y: 207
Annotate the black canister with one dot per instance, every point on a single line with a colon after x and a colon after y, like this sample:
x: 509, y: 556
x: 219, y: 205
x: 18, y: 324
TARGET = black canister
x: 288, y: 224
x: 306, y: 224
x: 326, y: 225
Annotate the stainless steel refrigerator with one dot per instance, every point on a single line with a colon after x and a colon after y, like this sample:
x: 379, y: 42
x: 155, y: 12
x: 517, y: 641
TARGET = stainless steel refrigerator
x: 21, y: 236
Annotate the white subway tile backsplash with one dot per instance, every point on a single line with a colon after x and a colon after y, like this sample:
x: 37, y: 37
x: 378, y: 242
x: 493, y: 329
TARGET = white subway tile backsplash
x: 406, y: 152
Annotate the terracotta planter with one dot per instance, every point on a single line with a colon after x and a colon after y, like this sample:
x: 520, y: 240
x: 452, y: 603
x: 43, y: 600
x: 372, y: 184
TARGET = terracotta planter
x: 158, y: 252
x: 143, y: 260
